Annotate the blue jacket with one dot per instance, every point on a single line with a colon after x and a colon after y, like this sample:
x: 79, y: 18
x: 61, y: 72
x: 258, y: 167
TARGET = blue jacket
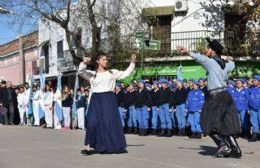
x: 195, y: 100
x: 254, y: 98
x: 241, y: 99
x: 231, y: 91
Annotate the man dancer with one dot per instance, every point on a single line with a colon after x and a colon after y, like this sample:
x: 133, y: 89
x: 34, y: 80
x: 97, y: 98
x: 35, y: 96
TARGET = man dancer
x: 219, y: 117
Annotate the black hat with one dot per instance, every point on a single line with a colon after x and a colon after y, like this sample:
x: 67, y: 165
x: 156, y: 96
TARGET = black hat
x: 215, y: 46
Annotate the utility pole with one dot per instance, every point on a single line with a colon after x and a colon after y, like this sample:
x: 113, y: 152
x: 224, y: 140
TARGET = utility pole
x: 21, y: 60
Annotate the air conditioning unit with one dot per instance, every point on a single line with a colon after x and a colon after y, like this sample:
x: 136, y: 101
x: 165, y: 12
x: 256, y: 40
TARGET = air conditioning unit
x: 181, y: 5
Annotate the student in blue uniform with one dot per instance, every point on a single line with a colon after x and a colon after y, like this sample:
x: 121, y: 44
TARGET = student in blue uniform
x: 241, y: 101
x: 155, y: 106
x: 203, y: 87
x: 120, y: 96
x: 194, y: 103
x: 254, y: 108
x: 231, y: 88
x: 163, y: 102
x: 130, y: 102
x: 180, y: 96
x: 190, y: 85
x: 142, y: 104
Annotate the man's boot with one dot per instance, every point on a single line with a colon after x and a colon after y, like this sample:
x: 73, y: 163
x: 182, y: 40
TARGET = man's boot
x: 235, y: 149
x: 223, y: 149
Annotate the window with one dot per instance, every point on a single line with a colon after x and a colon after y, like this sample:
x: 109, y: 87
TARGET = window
x: 35, y: 68
x: 60, y: 52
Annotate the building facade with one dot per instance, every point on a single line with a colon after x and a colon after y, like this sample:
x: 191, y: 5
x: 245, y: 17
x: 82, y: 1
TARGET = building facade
x: 19, y: 58
x: 172, y: 22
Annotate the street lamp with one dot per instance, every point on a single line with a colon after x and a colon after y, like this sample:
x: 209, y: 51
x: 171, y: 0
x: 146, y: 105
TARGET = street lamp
x: 4, y: 11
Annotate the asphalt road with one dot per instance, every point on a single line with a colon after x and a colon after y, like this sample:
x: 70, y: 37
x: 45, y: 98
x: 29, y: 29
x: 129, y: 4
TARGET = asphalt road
x: 27, y: 147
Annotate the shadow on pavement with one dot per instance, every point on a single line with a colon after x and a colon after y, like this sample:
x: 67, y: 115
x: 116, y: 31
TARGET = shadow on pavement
x: 135, y: 145
x: 207, y: 150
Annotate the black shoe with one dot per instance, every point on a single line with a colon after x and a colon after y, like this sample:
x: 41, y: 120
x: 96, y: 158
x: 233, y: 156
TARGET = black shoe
x: 154, y: 132
x: 258, y: 135
x: 179, y: 133
x: 193, y: 135
x: 162, y: 132
x: 173, y: 131
x: 88, y: 152
x: 135, y: 130
x: 169, y: 133
x: 183, y: 132
x: 254, y: 138
x: 129, y: 130
x: 145, y: 132
x: 198, y: 136
x: 142, y: 132
x: 122, y: 151
x: 235, y: 149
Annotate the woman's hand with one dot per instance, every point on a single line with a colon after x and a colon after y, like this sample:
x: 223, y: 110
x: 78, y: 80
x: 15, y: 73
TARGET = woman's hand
x: 86, y: 60
x: 133, y: 58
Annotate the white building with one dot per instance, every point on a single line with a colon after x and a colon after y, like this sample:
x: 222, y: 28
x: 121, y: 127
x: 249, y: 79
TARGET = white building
x: 174, y: 22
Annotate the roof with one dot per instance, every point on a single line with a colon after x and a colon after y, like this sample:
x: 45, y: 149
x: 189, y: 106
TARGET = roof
x: 158, y: 11
x: 30, y: 39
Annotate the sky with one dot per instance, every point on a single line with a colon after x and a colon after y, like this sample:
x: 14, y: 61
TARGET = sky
x: 10, y: 31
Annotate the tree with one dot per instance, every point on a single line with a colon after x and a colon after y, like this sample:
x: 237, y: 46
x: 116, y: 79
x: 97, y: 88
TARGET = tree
x: 240, y: 28
x: 102, y: 15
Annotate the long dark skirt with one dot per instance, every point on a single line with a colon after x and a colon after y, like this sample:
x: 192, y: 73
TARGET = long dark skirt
x: 104, y: 130
x: 219, y: 115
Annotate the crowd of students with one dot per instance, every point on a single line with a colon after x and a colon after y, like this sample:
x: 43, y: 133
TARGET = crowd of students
x: 159, y: 107
x: 167, y: 108
x: 45, y: 107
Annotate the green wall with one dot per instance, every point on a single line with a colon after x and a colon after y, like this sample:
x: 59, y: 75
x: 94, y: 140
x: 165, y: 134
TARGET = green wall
x: 190, y: 70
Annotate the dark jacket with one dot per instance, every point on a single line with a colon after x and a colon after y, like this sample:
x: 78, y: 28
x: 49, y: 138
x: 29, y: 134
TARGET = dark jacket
x: 130, y: 99
x: 67, y: 102
x: 205, y: 91
x: 143, y: 98
x: 120, y: 96
x: 4, y: 96
x: 10, y: 95
x: 81, y: 101
x: 165, y: 96
x: 180, y: 96
x: 155, y: 97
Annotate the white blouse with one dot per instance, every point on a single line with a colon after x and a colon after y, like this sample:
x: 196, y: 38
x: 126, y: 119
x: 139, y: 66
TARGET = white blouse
x: 105, y: 81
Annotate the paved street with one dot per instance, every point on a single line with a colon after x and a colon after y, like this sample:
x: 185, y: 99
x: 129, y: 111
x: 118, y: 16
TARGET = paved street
x: 43, y: 148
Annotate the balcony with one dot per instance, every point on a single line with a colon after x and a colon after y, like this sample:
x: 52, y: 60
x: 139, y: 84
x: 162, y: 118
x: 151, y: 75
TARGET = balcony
x: 65, y: 64
x: 247, y: 46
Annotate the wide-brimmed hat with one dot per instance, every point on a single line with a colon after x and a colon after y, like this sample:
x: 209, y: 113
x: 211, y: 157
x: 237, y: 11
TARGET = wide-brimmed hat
x: 215, y: 46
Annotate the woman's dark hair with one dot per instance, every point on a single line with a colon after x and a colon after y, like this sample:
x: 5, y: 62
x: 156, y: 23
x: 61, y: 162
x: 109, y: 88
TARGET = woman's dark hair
x: 79, y: 89
x: 66, y: 87
x: 97, y: 57
x: 45, y: 88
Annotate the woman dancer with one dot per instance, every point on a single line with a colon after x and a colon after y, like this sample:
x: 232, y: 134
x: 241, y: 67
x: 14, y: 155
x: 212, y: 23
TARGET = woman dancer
x: 104, y: 132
